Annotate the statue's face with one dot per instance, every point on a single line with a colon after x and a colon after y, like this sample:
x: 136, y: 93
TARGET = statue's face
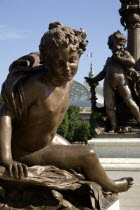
x: 64, y: 64
x: 119, y: 43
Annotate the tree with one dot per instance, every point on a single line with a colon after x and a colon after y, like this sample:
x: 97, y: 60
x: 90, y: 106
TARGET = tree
x: 73, y: 115
x: 63, y: 128
x: 82, y: 132
x: 71, y: 128
x: 93, y: 122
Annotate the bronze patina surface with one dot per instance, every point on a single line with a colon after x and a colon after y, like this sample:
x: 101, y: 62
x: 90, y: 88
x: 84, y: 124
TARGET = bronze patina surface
x: 36, y: 97
x: 115, y: 74
x: 122, y: 77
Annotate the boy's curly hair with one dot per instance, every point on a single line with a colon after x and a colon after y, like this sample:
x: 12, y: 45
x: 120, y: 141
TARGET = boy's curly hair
x: 61, y: 36
x: 116, y: 36
x: 12, y: 89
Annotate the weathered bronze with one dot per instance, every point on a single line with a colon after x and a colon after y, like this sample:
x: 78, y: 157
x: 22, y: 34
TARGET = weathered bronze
x: 122, y: 75
x: 130, y: 12
x: 36, y: 97
x: 115, y: 73
x: 130, y: 19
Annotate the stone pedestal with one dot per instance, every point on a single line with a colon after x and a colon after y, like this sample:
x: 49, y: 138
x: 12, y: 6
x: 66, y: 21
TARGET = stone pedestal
x: 116, y: 148
x: 115, y: 206
x: 117, y: 153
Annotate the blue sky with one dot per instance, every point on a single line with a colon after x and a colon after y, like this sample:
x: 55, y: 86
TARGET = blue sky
x: 23, y: 22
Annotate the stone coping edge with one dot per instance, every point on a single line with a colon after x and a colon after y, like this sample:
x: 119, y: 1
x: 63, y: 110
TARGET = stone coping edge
x: 115, y: 206
x: 120, y: 164
x: 112, y: 141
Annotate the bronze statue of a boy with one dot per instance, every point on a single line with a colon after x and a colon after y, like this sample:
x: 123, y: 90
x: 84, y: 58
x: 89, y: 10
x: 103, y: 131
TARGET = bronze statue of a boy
x: 115, y: 78
x: 35, y: 101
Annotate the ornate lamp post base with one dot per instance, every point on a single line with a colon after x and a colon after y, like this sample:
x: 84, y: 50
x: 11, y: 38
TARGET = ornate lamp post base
x: 130, y: 12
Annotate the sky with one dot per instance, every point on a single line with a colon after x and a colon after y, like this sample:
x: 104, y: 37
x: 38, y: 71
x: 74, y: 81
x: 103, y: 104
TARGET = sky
x: 23, y: 23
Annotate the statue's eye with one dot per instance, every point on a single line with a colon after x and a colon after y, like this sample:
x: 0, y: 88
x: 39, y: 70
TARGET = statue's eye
x: 73, y: 60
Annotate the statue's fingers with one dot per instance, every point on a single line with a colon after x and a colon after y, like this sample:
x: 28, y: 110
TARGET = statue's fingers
x: 15, y: 170
x: 20, y: 171
x: 25, y: 170
x: 10, y: 172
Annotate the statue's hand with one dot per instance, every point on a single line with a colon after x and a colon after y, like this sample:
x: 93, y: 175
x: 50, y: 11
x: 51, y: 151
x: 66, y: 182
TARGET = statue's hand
x: 89, y: 80
x: 119, y: 55
x: 16, y: 169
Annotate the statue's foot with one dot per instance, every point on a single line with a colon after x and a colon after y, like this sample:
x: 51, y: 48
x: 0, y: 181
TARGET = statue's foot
x: 123, y: 184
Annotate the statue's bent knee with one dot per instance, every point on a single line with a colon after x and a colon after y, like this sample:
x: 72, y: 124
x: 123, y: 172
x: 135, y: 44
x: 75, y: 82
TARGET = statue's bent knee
x: 90, y: 153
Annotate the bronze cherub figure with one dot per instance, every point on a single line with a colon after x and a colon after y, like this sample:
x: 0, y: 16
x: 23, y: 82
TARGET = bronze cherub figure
x: 36, y: 97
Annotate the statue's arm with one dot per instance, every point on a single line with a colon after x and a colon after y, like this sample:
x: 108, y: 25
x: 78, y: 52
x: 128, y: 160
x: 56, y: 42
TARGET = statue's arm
x: 100, y: 76
x: 14, y: 168
x: 125, y: 58
x: 5, y: 135
x: 97, y: 78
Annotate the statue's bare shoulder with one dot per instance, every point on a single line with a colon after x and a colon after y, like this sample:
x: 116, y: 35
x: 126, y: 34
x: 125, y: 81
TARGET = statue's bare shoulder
x: 35, y: 90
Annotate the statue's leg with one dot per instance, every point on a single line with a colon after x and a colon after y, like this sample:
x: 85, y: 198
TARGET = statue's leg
x: 73, y: 157
x: 109, y: 99
x: 59, y: 140
x: 125, y: 92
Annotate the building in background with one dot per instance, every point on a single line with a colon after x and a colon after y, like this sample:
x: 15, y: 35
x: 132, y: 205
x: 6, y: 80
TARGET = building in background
x: 80, y: 96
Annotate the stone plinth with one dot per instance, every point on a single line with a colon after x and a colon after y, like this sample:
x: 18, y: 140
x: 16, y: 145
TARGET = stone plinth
x: 117, y: 154
x: 116, y: 147
x: 115, y: 206
x: 120, y: 164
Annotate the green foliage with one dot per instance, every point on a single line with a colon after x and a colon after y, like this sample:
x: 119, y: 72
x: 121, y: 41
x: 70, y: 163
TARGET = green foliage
x: 73, y: 112
x: 93, y: 122
x: 71, y: 128
x: 73, y: 115
x: 82, y: 132
x: 63, y: 128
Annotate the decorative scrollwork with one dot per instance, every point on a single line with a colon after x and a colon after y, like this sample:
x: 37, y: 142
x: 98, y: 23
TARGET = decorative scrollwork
x: 130, y: 12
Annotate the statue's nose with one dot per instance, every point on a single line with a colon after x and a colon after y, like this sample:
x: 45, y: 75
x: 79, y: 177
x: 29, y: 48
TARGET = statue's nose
x: 67, y: 66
